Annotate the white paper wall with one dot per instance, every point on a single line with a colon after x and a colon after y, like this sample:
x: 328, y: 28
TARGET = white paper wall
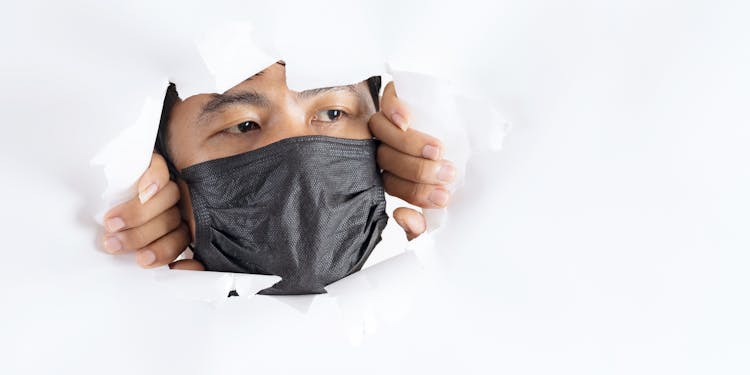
x: 609, y: 235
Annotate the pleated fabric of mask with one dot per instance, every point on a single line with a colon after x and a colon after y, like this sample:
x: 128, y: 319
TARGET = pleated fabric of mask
x: 309, y: 209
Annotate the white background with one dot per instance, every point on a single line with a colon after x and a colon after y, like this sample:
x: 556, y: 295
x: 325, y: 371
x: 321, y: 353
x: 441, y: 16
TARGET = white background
x: 610, y: 236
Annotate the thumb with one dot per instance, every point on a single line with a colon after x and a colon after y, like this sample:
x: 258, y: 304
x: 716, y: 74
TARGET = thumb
x: 155, y: 178
x: 412, y: 221
x: 394, y: 109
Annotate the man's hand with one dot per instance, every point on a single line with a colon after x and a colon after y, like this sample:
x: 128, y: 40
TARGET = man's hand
x: 412, y: 164
x: 150, y: 224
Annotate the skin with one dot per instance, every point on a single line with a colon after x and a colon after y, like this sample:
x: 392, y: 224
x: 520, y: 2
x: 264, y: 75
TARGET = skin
x: 210, y: 126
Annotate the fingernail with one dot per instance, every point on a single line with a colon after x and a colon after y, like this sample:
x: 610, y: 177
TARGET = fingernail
x: 112, y: 244
x: 431, y: 152
x: 399, y: 120
x: 147, y: 193
x: 145, y: 257
x: 114, y: 224
x: 439, y: 197
x: 446, y: 173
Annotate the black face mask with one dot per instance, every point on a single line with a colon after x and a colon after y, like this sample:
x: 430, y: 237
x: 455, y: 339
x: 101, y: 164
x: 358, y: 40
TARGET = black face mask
x: 309, y: 209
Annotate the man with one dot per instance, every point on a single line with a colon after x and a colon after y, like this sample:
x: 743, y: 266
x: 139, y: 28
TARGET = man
x: 259, y: 112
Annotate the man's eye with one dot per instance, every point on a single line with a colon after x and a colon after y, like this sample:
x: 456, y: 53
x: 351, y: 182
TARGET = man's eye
x: 329, y: 115
x: 243, y: 127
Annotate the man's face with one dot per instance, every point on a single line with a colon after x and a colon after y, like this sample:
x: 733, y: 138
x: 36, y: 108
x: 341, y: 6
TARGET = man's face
x: 260, y: 111
x: 257, y: 112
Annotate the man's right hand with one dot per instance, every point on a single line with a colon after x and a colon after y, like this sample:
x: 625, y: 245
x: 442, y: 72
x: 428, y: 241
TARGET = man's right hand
x: 150, y: 224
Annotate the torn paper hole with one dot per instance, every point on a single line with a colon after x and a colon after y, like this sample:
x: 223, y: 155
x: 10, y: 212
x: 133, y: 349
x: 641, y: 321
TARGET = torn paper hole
x: 125, y: 158
x: 436, y: 108
x: 211, y: 287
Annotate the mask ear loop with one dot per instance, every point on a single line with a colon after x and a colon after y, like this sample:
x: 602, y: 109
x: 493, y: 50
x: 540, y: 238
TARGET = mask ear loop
x: 170, y: 99
x: 160, y: 145
x: 373, y: 84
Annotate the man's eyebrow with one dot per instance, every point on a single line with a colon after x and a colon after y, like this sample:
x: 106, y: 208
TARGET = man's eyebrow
x: 260, y: 73
x: 313, y: 92
x: 254, y: 76
x: 221, y: 101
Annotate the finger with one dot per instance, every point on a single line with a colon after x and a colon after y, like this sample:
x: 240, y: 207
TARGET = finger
x: 412, y: 221
x: 132, y: 213
x: 422, y: 195
x: 394, y: 109
x: 164, y: 250
x: 412, y: 142
x: 187, y: 264
x: 413, y: 168
x: 154, y: 179
x: 138, y: 237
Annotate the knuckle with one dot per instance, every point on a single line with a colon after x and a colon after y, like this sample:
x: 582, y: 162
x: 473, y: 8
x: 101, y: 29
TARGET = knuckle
x: 180, y: 240
x: 168, y: 246
x: 376, y: 122
x: 409, y: 141
x: 171, y: 192
x: 390, y: 186
x: 386, y: 157
x: 136, y: 238
x: 135, y: 216
x: 378, y: 117
x: 421, y: 195
x: 172, y: 186
x: 423, y: 170
x: 184, y: 232
x: 388, y: 182
x: 415, y: 192
x: 380, y: 156
x: 162, y: 173
x: 174, y: 219
x: 158, y: 246
x: 141, y: 239
x: 159, y: 166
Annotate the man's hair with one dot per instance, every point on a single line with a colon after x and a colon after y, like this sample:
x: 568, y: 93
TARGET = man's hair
x: 171, y: 97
